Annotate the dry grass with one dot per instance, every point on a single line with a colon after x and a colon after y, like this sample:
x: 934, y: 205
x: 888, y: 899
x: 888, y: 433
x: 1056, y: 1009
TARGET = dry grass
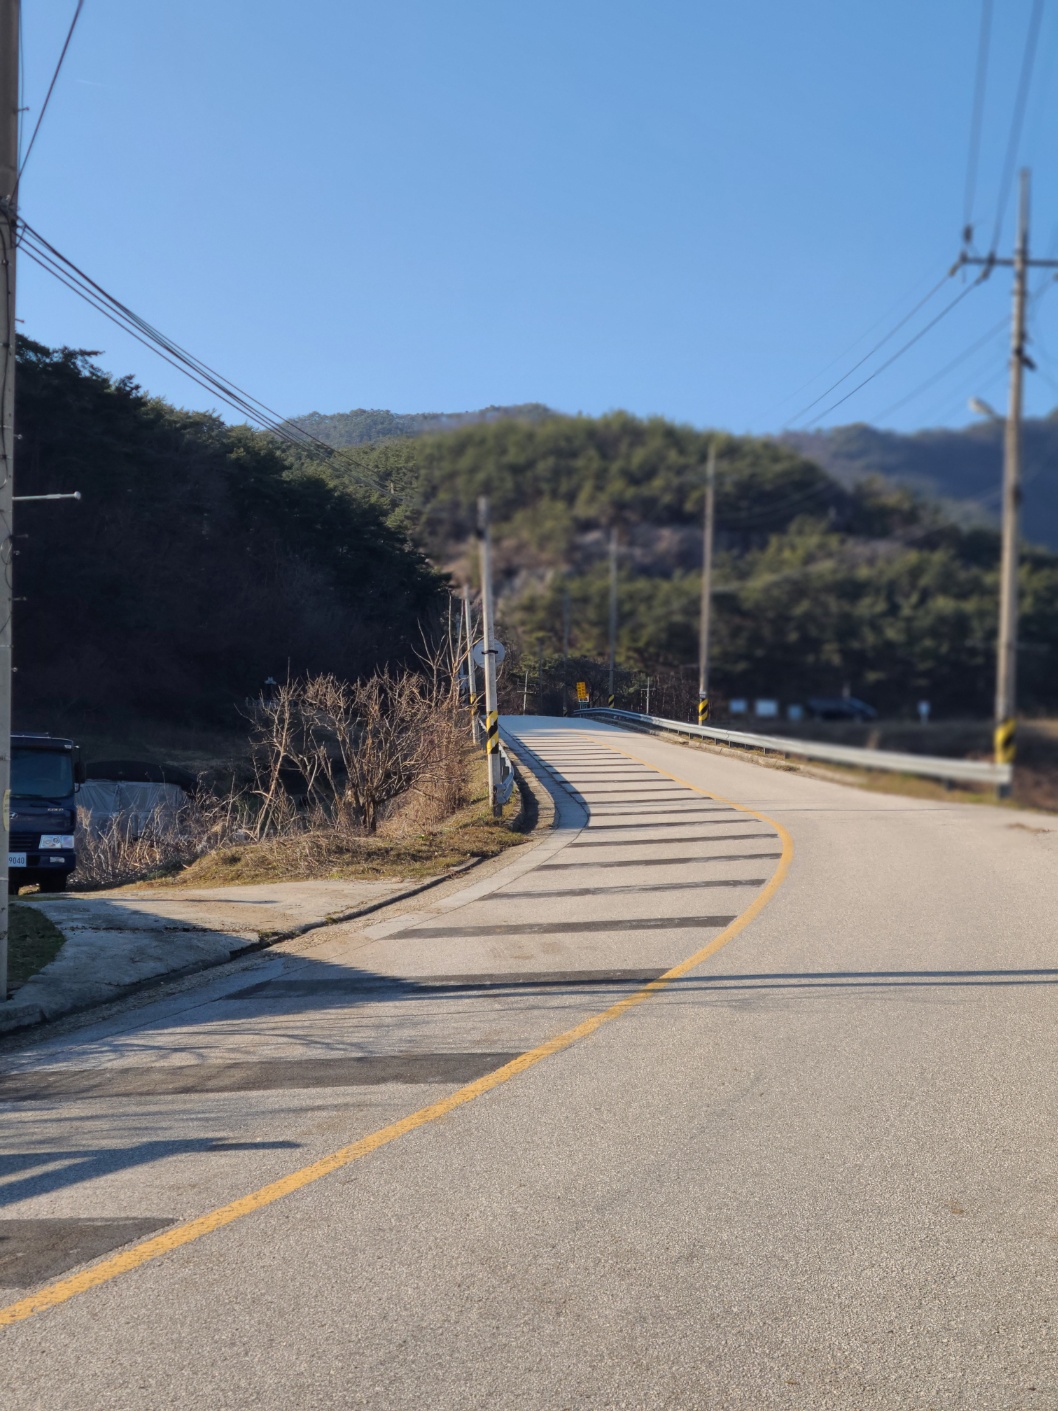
x: 400, y: 850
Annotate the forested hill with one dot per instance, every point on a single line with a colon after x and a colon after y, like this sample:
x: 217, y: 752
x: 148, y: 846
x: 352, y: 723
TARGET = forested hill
x: 820, y: 585
x: 198, y: 562
x: 962, y: 467
x: 355, y: 427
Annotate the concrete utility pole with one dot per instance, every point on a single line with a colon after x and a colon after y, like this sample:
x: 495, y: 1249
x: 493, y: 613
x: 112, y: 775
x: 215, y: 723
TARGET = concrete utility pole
x: 707, y: 584
x: 1007, y: 647
x: 613, y: 613
x: 471, y: 686
x: 9, y: 50
x: 565, y: 650
x: 492, y: 718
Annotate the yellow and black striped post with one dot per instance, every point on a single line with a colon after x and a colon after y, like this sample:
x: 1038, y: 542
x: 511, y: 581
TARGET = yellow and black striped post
x: 1006, y: 741
x: 703, y: 709
x: 492, y: 732
x: 610, y: 700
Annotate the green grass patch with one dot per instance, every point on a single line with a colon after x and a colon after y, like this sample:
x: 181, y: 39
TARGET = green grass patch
x: 32, y: 942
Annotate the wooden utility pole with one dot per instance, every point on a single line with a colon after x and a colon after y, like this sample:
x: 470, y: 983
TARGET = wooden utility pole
x: 708, y: 533
x: 1005, y: 741
x: 488, y: 642
x: 613, y: 614
x: 9, y: 52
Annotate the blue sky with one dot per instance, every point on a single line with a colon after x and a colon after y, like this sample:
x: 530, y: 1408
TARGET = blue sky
x: 685, y: 209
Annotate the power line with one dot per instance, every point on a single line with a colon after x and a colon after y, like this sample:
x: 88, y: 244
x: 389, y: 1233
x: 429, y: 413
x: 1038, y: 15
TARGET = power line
x: 840, y: 357
x: 909, y: 344
x: 51, y: 87
x: 60, y: 267
x: 937, y: 376
x: 1028, y: 59
x: 977, y: 114
x: 880, y: 344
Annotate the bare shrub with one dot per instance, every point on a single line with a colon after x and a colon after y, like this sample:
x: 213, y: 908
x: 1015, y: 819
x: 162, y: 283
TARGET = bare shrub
x: 337, y: 754
x: 116, y: 852
x: 329, y: 756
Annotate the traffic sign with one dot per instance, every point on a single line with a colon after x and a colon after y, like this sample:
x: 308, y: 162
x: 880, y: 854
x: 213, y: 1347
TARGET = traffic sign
x: 582, y: 690
x: 478, y: 652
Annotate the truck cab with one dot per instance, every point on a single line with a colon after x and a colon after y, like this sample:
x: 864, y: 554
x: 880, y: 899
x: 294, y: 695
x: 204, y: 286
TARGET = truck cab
x: 45, y: 774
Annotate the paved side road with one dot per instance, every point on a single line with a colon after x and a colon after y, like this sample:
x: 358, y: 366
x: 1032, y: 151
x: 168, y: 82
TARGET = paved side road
x: 814, y: 1169
x: 116, y: 940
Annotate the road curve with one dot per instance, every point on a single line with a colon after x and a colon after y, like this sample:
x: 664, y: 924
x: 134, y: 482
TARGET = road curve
x: 734, y: 1091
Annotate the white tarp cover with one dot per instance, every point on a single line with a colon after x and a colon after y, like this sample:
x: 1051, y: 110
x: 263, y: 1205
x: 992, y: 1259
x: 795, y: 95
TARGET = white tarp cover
x: 106, y: 799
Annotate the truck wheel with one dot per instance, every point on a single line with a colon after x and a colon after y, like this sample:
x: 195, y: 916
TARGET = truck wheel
x: 53, y: 882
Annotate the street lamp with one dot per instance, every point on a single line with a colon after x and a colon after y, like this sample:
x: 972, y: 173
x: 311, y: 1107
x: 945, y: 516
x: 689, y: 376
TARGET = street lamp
x: 983, y: 408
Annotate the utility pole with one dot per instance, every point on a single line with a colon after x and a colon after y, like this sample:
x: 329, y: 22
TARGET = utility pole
x: 9, y: 52
x: 1005, y: 741
x: 613, y: 613
x: 565, y: 650
x: 708, y: 532
x: 540, y: 676
x: 471, y: 686
x: 492, y: 718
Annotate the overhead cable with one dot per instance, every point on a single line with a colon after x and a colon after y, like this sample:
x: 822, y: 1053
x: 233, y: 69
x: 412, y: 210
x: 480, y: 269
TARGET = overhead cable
x: 879, y: 345
x: 904, y: 348
x: 840, y: 357
x: 1028, y: 59
x: 51, y: 88
x: 977, y: 115
x: 49, y: 258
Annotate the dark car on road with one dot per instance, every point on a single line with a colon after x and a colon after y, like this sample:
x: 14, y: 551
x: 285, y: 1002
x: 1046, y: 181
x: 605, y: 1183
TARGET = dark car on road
x: 840, y: 708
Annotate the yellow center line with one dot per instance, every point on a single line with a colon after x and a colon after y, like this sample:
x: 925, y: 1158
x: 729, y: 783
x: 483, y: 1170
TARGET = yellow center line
x: 138, y: 1254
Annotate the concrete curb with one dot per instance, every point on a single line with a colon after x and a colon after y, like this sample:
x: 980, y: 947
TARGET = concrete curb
x: 15, y: 1017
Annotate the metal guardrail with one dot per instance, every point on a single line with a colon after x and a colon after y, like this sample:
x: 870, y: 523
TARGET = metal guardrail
x: 966, y: 771
x: 506, y: 784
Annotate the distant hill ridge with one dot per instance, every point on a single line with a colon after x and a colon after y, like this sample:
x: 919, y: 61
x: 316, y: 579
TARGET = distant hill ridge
x: 963, y: 468
x: 356, y: 427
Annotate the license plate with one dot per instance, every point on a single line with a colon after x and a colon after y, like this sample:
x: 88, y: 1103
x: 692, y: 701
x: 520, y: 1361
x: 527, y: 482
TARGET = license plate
x: 16, y: 859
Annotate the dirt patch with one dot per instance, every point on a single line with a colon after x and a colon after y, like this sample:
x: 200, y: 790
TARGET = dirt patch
x: 32, y: 942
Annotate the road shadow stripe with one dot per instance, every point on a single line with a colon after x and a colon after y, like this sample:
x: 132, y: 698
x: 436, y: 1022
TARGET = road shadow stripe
x: 562, y: 928
x: 656, y: 842
x: 637, y: 887
x: 34, y: 1250
x: 666, y: 861
x: 256, y: 1075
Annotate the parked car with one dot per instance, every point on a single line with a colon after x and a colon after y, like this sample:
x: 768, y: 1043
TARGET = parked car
x: 840, y: 708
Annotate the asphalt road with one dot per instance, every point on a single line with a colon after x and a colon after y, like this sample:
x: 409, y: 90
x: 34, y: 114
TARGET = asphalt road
x: 814, y: 1168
